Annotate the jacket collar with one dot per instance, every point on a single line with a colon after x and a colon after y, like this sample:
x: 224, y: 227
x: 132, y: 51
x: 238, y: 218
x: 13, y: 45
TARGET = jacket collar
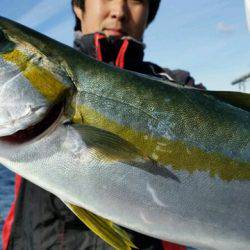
x: 124, y: 53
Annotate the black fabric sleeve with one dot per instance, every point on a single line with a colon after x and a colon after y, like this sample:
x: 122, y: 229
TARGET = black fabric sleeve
x: 184, y: 78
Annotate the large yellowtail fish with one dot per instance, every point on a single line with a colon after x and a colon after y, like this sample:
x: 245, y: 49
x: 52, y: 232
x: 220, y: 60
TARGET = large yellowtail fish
x: 165, y: 160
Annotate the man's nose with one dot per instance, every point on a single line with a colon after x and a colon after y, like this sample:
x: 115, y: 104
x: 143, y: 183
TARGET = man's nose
x: 119, y: 9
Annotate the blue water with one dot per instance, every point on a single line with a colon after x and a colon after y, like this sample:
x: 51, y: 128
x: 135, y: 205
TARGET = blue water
x: 6, y: 195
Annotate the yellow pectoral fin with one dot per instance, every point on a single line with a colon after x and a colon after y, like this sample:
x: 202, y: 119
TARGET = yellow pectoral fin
x: 105, y: 229
x: 107, y: 146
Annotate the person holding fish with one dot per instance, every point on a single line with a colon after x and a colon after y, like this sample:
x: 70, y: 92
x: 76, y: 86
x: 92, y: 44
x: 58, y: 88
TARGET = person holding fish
x: 111, y: 32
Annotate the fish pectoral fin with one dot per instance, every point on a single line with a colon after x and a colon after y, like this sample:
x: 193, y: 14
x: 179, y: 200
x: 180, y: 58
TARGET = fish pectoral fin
x: 112, y: 234
x: 107, y: 144
x: 110, y: 147
x: 161, y: 170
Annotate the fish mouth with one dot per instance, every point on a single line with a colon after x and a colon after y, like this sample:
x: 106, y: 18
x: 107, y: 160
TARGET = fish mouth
x: 30, y: 116
x: 33, y: 130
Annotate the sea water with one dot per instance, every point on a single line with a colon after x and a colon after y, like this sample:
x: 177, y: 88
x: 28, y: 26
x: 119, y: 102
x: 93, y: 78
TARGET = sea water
x: 6, y: 195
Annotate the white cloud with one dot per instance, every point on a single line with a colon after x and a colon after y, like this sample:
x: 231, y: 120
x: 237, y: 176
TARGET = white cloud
x: 224, y: 28
x: 42, y: 11
x: 247, y: 4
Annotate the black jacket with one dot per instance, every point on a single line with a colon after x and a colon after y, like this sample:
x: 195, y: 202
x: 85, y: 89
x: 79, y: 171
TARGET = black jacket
x: 41, y: 220
x: 128, y: 53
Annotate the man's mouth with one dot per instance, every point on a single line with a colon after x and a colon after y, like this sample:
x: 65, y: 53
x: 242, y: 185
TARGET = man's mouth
x: 114, y: 32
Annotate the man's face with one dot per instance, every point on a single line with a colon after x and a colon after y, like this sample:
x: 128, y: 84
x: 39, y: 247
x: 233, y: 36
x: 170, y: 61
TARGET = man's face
x: 114, y: 17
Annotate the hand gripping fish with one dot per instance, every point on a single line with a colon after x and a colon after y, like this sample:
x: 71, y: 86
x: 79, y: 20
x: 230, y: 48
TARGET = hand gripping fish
x: 165, y: 160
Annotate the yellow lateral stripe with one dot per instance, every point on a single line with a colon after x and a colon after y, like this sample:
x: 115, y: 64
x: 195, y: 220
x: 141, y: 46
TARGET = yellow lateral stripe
x: 40, y: 78
x: 166, y: 152
x: 45, y: 83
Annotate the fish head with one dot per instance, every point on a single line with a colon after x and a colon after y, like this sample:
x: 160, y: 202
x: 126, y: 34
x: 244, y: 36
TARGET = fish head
x: 33, y: 80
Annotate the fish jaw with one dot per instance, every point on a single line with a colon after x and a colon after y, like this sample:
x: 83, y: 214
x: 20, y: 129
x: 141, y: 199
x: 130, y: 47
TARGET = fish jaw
x: 10, y: 126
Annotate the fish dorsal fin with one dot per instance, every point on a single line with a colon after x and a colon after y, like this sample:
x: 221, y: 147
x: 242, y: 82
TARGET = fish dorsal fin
x: 112, y: 234
x: 237, y: 99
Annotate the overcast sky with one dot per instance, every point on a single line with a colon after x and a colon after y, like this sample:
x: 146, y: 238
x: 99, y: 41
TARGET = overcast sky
x: 209, y: 38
